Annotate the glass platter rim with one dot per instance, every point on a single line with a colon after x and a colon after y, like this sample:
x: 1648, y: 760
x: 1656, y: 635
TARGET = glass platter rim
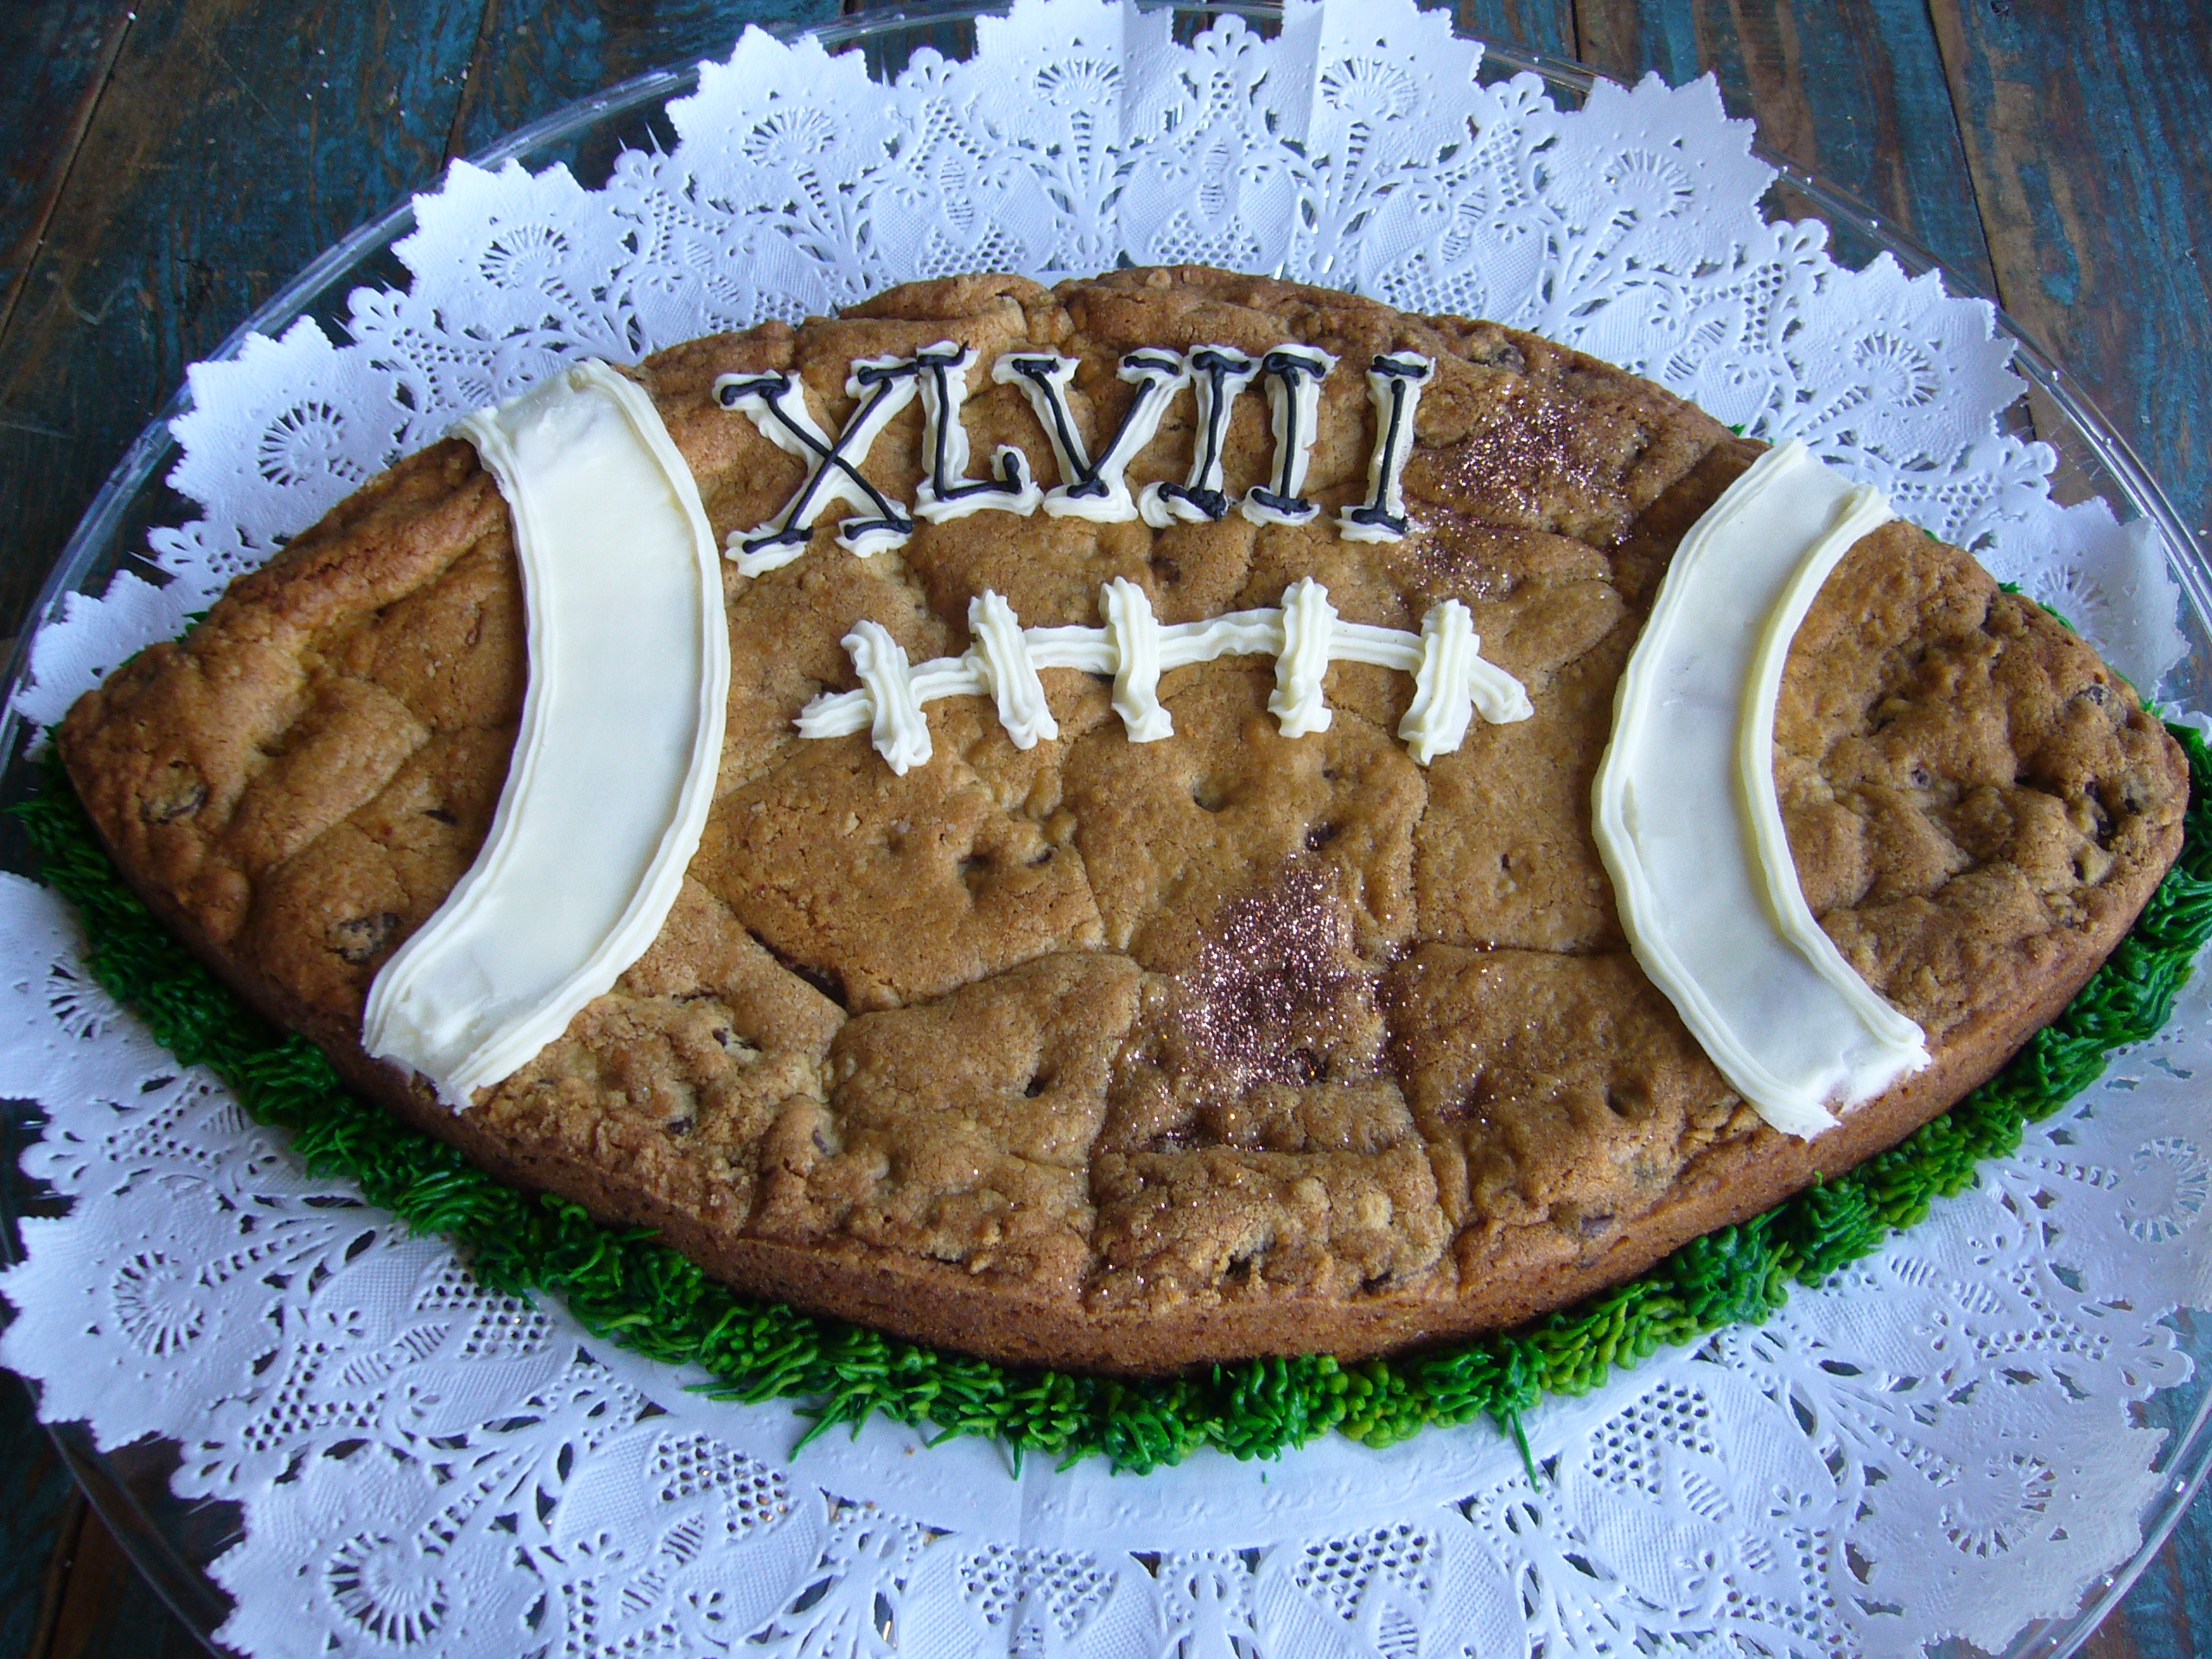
x: 184, y: 1583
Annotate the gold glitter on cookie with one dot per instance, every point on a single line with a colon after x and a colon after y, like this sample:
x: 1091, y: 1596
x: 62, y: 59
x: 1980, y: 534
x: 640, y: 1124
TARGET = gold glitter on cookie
x: 1279, y: 993
x: 1528, y: 464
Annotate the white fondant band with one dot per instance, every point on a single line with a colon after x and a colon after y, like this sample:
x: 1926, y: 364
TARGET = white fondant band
x: 1685, y: 815
x: 614, y: 768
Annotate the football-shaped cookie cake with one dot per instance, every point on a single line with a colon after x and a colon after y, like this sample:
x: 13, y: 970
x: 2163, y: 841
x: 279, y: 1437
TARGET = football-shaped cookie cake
x: 1176, y: 817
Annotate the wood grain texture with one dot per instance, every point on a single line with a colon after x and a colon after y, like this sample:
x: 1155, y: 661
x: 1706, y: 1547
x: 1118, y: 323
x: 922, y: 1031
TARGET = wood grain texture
x: 534, y: 55
x: 2086, y: 136
x: 231, y: 142
x: 1546, y: 26
x: 1853, y: 90
x: 35, y: 1496
x: 55, y: 60
x: 100, y: 1606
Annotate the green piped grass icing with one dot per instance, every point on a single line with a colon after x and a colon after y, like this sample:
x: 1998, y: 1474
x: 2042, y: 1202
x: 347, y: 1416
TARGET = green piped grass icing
x: 624, y: 1285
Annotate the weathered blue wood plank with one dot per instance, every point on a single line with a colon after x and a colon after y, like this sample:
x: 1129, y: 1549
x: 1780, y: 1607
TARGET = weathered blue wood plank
x: 1853, y: 90
x: 35, y: 1491
x: 231, y: 143
x: 104, y: 1608
x: 2086, y: 140
x: 543, y: 53
x: 2086, y: 137
x: 1546, y: 26
x: 53, y: 60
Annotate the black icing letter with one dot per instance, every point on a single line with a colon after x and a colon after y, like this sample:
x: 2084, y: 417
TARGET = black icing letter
x: 947, y: 492
x: 1219, y: 373
x: 1088, y: 489
x: 776, y: 404
x: 1395, y: 379
x: 1295, y: 374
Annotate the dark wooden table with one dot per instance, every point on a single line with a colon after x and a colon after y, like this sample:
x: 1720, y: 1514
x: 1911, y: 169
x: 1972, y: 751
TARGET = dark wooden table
x: 165, y: 164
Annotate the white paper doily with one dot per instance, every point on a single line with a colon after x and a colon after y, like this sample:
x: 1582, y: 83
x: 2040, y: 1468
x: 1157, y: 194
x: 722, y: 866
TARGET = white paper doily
x: 1944, y: 1442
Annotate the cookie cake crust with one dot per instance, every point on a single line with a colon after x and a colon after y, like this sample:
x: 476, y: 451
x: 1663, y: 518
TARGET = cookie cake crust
x: 1127, y: 1055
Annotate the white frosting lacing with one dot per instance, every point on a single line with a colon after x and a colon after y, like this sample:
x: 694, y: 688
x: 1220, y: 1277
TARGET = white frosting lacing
x: 1685, y: 815
x: 1304, y: 634
x: 1309, y: 626
x: 1134, y: 642
x: 614, y: 768
x: 1001, y: 652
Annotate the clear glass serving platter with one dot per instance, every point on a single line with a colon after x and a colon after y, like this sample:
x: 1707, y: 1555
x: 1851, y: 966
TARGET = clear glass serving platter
x: 173, y: 1541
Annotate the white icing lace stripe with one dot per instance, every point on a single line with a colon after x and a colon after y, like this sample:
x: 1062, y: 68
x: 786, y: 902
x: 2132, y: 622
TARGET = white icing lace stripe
x: 1304, y: 635
x: 621, y: 735
x: 1309, y: 625
x: 1863, y: 510
x: 900, y: 732
x: 1001, y: 651
x: 1685, y: 809
x: 1133, y: 635
x: 1449, y: 682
